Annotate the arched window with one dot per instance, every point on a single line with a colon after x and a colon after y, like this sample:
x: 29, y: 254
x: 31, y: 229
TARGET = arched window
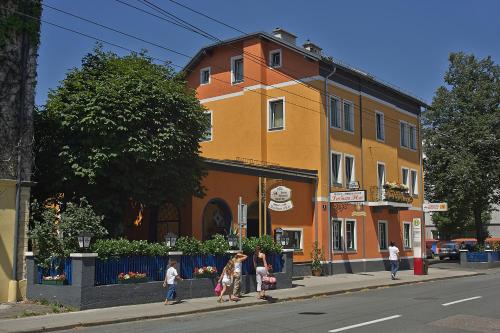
x: 168, y: 220
x: 216, y: 218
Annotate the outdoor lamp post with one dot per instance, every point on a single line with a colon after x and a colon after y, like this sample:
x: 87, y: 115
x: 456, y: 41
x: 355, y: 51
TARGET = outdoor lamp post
x: 232, y: 240
x: 278, y: 234
x: 285, y: 240
x: 84, y: 239
x: 170, y: 239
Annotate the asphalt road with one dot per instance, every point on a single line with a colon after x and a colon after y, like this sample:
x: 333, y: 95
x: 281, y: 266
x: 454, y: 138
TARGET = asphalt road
x: 455, y: 305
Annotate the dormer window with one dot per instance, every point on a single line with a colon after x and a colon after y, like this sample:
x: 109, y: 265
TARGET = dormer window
x: 275, y: 58
x: 205, y: 75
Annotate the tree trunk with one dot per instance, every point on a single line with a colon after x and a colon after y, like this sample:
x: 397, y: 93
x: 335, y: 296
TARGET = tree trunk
x: 478, y: 222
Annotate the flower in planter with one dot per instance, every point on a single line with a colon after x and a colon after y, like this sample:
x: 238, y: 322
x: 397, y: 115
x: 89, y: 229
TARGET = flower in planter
x: 131, y: 276
x: 205, y: 271
x: 61, y: 277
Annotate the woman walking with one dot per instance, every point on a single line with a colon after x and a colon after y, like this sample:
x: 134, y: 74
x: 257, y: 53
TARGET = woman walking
x: 260, y: 264
x: 225, y: 280
x: 238, y: 263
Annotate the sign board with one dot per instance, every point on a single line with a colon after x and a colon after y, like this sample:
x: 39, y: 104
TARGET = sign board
x: 280, y: 206
x: 436, y: 207
x: 417, y: 237
x: 281, y: 194
x: 358, y: 213
x: 242, y: 215
x: 348, y: 196
x: 354, y: 185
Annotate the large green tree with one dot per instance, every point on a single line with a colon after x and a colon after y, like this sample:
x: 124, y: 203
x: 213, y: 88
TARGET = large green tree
x: 120, y: 128
x: 462, y: 146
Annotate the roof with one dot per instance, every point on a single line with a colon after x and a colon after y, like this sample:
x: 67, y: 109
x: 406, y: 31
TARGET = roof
x: 328, y: 60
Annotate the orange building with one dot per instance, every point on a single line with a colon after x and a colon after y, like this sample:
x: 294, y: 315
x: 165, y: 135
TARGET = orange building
x: 276, y: 109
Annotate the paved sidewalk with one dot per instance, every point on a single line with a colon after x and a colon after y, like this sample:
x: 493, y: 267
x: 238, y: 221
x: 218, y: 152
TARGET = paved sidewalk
x: 303, y: 288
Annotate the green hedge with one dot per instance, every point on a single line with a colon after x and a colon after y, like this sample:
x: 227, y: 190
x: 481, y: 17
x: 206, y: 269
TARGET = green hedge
x: 114, y: 248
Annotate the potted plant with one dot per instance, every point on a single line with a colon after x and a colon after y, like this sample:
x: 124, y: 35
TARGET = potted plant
x: 317, y: 258
x: 54, y: 280
x: 205, y: 272
x: 132, y: 277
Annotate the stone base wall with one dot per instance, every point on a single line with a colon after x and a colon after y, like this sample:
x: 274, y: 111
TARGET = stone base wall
x: 304, y: 269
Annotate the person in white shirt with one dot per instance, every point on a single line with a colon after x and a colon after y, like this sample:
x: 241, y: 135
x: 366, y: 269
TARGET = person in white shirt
x: 394, y: 259
x: 170, y: 279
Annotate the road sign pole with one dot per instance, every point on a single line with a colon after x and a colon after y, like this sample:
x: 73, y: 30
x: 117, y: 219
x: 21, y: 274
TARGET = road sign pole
x: 240, y: 216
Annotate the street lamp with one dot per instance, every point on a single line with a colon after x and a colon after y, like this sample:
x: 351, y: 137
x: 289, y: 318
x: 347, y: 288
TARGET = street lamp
x: 285, y: 240
x: 278, y: 234
x: 170, y: 239
x: 232, y: 240
x: 84, y: 239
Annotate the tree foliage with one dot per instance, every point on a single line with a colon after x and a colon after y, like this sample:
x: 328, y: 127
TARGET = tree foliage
x: 120, y: 128
x: 461, y: 143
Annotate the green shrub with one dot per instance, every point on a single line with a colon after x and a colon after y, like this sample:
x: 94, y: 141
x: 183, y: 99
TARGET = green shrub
x: 189, y: 246
x: 216, y: 245
x: 266, y: 243
x: 115, y: 248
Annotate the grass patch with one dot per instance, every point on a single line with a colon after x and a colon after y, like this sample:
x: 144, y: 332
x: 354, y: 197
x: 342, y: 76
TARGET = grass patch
x: 28, y: 313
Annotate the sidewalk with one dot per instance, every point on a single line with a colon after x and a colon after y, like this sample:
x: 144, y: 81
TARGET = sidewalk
x: 303, y: 288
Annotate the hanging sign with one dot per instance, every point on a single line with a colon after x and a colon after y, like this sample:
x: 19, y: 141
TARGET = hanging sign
x: 417, y: 238
x: 280, y: 206
x: 281, y: 194
x: 436, y: 207
x: 347, y: 196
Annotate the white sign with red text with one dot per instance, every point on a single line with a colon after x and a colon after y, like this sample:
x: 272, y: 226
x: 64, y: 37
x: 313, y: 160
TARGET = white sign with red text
x: 347, y: 196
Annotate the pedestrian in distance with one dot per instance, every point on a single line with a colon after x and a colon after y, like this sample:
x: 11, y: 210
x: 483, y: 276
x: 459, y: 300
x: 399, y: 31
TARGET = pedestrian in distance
x: 225, y: 280
x: 171, y: 277
x: 260, y: 264
x: 394, y: 259
x: 238, y: 260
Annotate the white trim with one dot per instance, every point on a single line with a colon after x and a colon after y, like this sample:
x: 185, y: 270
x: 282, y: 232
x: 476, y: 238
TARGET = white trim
x: 353, y: 118
x: 269, y: 101
x: 28, y: 254
x: 378, y: 176
x: 321, y: 199
x: 341, y: 233
x: 388, y: 203
x: 410, y: 235
x: 386, y: 235
x: 402, y: 176
x: 271, y: 58
x: 355, y: 235
x: 412, y: 190
x: 341, y: 169
x: 287, y: 250
x: 221, y: 97
x: 353, y: 171
x: 209, y: 76
x: 301, y: 236
x: 83, y: 255
x: 175, y: 253
x: 383, y: 126
x: 211, y: 126
x: 233, y: 59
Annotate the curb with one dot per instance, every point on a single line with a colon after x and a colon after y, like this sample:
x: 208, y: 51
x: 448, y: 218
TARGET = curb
x: 235, y: 306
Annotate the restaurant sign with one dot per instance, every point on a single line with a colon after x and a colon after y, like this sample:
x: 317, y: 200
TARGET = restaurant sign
x: 436, y: 207
x: 348, y: 196
x: 281, y: 199
x: 280, y: 206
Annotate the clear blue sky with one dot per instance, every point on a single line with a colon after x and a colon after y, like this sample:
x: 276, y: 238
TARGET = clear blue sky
x: 405, y: 43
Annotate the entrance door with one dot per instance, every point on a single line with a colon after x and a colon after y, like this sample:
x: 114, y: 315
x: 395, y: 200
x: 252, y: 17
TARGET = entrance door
x: 253, y: 220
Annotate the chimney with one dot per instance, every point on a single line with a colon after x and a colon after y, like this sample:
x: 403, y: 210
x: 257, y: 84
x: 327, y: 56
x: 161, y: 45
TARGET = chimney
x: 311, y: 47
x: 285, y: 35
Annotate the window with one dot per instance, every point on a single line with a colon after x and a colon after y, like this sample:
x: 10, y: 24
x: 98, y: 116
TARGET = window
x: 382, y: 235
x: 237, y: 69
x: 380, y: 126
x: 407, y: 234
x: 276, y: 115
x: 208, y: 133
x: 336, y: 169
x: 414, y: 182
x: 275, y: 58
x: 349, y: 170
x: 348, y: 117
x: 381, y: 174
x: 408, y: 135
x: 337, y: 235
x: 295, y: 236
x: 205, y: 76
x: 404, y: 177
x: 335, y: 114
x: 350, y: 235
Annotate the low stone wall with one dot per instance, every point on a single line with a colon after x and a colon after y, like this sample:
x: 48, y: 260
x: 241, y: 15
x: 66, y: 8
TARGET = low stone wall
x: 83, y: 294
x: 337, y: 267
x: 490, y: 263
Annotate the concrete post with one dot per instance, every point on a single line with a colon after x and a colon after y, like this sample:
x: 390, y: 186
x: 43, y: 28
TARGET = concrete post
x: 490, y: 255
x: 31, y: 271
x: 463, y: 257
x: 175, y: 255
x: 83, y: 269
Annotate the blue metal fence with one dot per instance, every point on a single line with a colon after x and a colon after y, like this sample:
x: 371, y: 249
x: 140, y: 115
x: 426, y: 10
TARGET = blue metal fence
x: 477, y: 256
x: 107, y: 271
x: 58, y: 266
x: 495, y: 255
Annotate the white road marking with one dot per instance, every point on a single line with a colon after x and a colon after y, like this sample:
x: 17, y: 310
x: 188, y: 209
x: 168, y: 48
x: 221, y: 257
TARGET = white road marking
x: 461, y: 300
x: 364, y: 324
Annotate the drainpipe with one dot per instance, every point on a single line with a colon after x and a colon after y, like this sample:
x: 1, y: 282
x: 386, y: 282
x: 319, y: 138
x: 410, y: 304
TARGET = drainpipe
x: 421, y: 181
x: 329, y: 167
x: 362, y: 169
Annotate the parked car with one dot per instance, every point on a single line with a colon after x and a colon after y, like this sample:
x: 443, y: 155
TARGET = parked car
x: 449, y: 250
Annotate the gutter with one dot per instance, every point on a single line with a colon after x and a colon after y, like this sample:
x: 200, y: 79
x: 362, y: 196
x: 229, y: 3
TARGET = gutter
x: 329, y: 167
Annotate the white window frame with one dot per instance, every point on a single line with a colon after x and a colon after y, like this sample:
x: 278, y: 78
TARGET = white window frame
x: 206, y: 139
x: 209, y: 76
x: 407, y: 136
x: 414, y: 186
x: 410, y: 235
x: 381, y: 188
x: 341, y: 169
x: 341, y: 236
x: 233, y: 59
x: 386, y: 228
x: 382, y: 139
x: 276, y: 129
x: 354, y: 236
x: 339, y: 100
x: 301, y: 237
x: 353, y: 171
x: 271, y: 53
x: 344, y: 102
x: 407, y: 183
x: 412, y: 143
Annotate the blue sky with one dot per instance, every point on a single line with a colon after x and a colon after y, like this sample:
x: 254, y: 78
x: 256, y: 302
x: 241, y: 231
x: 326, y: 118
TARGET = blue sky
x: 405, y: 43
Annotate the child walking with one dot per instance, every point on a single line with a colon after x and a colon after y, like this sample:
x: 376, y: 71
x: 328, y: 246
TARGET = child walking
x: 226, y: 279
x: 170, y: 279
